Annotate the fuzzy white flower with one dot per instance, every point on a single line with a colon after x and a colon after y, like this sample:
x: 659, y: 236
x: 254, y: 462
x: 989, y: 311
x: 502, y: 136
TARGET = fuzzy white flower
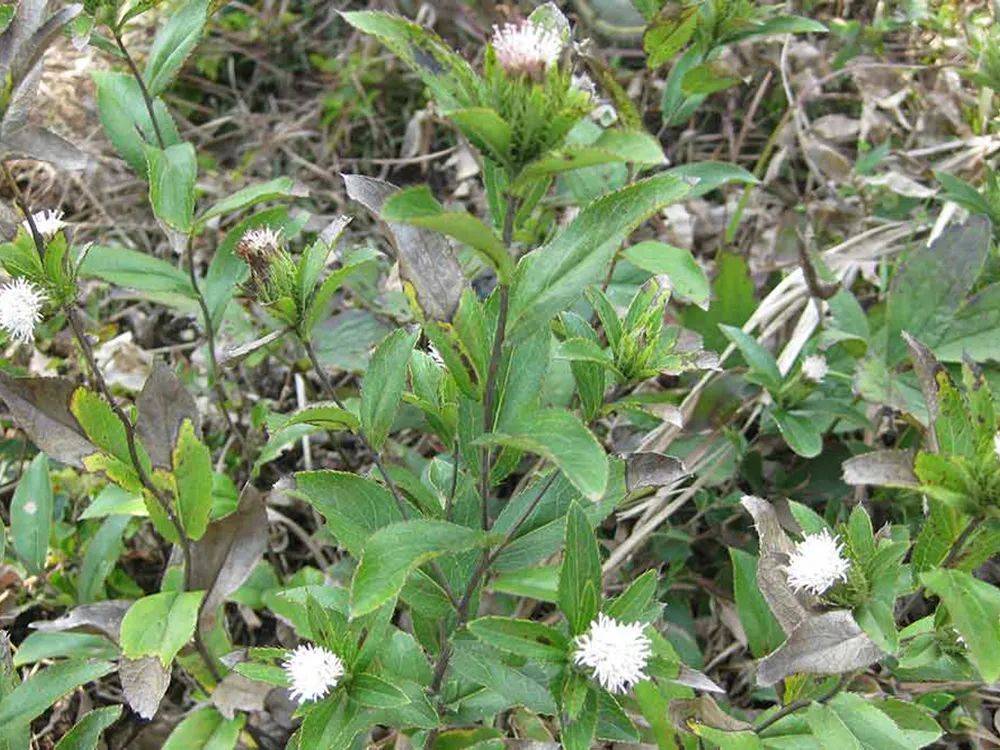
x: 313, y: 671
x: 47, y: 223
x: 617, y: 652
x: 261, y: 241
x: 996, y: 444
x: 526, y: 48
x: 814, y: 368
x: 21, y: 305
x: 817, y: 563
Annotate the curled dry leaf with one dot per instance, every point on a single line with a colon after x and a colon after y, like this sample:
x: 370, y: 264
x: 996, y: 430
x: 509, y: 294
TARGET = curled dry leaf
x: 227, y: 553
x: 827, y: 643
x: 889, y: 468
x: 163, y: 404
x: 425, y: 257
x: 144, y: 683
x: 40, y: 407
x: 692, y: 678
x: 703, y: 710
x: 239, y: 693
x: 652, y: 470
x: 104, y: 618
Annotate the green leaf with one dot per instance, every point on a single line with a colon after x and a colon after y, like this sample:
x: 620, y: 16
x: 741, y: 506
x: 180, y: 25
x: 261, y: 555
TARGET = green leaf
x: 763, y: 367
x: 539, y: 583
x: 174, y: 42
x: 764, y: 634
x: 42, y: 645
x: 206, y: 729
x: 799, y: 431
x: 392, y: 553
x: 876, y: 619
x: 532, y: 640
x: 374, y: 692
x: 126, y: 119
x: 687, y: 278
x: 872, y: 728
x: 100, y: 423
x: 482, y: 666
x: 135, y: 270
x: 31, y: 514
x: 638, y: 602
x: 580, y: 574
x: 382, y: 388
x: 251, y: 195
x: 486, y: 130
x: 706, y: 79
x: 36, y: 694
x: 354, y: 507
x: 450, y: 79
x: 780, y: 25
x: 160, y: 625
x: 326, y: 415
x: 974, y: 607
x: 561, y: 437
x: 667, y: 35
x: 709, y: 175
x: 611, y: 146
x: 86, y: 733
x: 172, y: 175
x: 965, y: 195
x: 551, y: 278
x: 103, y: 551
x: 829, y: 730
x: 418, y: 206
x: 192, y: 462
x: 732, y: 301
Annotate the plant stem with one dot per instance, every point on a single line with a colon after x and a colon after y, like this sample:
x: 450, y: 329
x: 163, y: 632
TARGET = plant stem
x: 22, y: 204
x: 802, y: 703
x: 142, y: 88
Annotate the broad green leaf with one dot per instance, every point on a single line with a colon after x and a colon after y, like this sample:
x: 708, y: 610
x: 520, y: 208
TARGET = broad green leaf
x: 638, y: 602
x: 961, y: 192
x: 687, y: 278
x: 135, y: 270
x: 974, y: 607
x: 326, y: 415
x: 611, y: 146
x: 160, y: 625
x: 103, y: 551
x: 100, y: 423
x: 383, y: 385
x: 206, y: 729
x: 829, y: 730
x: 551, y: 278
x: 482, y: 666
x: 450, y: 79
x: 667, y: 35
x: 41, y: 645
x: 876, y: 619
x: 392, y: 553
x: 126, y: 119
x: 36, y: 694
x: 580, y: 574
x: 280, y: 187
x: 526, y: 638
x: 539, y: 583
x: 85, y: 734
x: 374, y: 692
x: 764, y: 634
x: 561, y: 437
x: 799, y: 431
x: 192, y: 462
x: 705, y: 79
x: 172, y: 175
x: 732, y: 301
x: 763, y: 367
x: 706, y: 176
x: 872, y: 728
x: 174, y: 42
x: 418, y: 206
x: 354, y: 507
x: 486, y: 130
x: 780, y: 25
x: 31, y: 514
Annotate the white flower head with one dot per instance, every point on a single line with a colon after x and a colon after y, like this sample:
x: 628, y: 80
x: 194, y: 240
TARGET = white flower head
x: 526, y: 47
x: 617, y: 652
x: 261, y: 241
x: 817, y: 563
x: 313, y: 671
x: 996, y: 444
x: 47, y: 223
x: 21, y: 305
x: 814, y: 368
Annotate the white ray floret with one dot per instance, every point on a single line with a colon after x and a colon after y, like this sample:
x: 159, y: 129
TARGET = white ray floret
x: 47, y: 223
x: 817, y: 563
x: 262, y: 240
x: 313, y: 671
x: 814, y: 368
x: 21, y: 305
x: 525, y: 47
x: 616, y: 653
